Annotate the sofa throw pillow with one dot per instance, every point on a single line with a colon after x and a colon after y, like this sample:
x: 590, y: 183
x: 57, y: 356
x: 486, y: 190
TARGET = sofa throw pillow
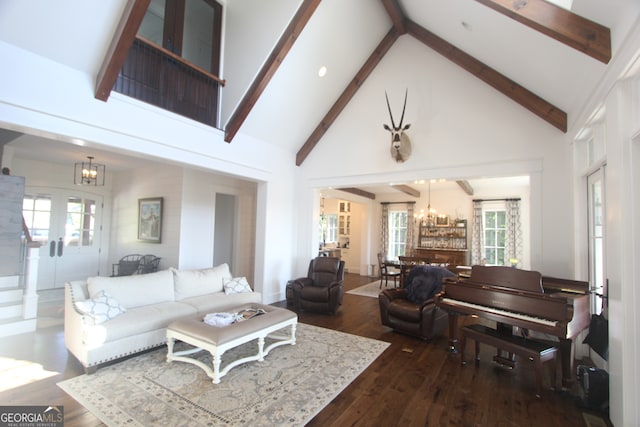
x: 424, y: 282
x: 101, y: 308
x: 237, y: 285
x: 193, y: 283
x: 137, y: 290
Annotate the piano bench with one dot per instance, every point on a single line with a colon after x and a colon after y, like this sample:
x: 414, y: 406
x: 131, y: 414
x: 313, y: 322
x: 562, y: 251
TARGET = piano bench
x: 536, y: 351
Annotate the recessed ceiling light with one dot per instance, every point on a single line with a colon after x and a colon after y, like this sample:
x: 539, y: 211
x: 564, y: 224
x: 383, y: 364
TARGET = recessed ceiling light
x: 322, y: 71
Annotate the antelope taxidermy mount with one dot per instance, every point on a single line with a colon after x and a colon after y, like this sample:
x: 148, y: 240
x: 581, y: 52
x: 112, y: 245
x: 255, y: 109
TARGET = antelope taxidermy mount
x: 400, y: 143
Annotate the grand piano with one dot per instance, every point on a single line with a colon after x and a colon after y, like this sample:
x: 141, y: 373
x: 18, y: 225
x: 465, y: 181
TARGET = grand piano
x: 545, y: 305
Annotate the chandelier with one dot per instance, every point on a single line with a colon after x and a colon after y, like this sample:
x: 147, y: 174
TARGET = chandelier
x: 88, y: 173
x: 428, y: 219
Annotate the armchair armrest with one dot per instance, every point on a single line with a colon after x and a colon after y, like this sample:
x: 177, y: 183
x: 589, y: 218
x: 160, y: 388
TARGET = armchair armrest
x: 301, y: 282
x: 392, y: 294
x: 335, y: 283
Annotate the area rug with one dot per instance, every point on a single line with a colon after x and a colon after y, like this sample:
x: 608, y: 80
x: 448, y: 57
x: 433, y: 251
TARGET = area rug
x: 370, y: 289
x: 288, y: 388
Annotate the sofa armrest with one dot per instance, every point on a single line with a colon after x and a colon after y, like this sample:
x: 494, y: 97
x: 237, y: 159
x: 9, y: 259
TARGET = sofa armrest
x: 74, y: 320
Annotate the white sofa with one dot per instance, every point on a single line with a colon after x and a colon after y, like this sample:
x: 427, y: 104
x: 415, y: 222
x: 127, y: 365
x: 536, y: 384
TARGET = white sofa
x: 107, y: 318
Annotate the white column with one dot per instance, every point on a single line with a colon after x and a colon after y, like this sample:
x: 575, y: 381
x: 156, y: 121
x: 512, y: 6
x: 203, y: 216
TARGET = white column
x: 30, y: 297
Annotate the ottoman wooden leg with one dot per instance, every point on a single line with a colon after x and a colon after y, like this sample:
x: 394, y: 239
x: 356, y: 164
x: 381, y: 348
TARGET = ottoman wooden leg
x: 217, y: 359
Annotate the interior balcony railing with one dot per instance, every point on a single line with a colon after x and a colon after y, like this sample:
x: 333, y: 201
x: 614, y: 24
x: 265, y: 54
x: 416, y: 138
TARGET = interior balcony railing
x: 159, y: 77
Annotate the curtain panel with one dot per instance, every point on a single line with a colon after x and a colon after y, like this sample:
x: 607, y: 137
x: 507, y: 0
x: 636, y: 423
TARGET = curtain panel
x: 384, y: 231
x: 513, y: 246
x: 477, y: 235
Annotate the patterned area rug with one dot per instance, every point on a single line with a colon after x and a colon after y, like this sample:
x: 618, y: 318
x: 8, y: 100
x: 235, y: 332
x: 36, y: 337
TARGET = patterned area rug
x: 370, y: 289
x: 288, y: 388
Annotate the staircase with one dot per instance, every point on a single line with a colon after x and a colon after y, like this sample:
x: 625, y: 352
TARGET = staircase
x: 15, y: 318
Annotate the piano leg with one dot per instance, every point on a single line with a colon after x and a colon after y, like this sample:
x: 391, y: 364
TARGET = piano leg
x: 453, y: 332
x: 566, y: 356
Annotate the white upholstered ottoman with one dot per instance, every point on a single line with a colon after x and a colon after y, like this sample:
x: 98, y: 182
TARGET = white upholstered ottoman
x: 216, y: 340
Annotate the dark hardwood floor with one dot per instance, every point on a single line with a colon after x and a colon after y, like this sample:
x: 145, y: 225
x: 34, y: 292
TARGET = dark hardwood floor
x: 413, y: 383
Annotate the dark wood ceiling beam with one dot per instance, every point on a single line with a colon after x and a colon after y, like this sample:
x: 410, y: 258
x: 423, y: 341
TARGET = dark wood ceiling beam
x: 532, y: 102
x: 271, y: 65
x: 397, y: 16
x: 121, y: 42
x: 466, y: 187
x: 407, y: 190
x: 347, y: 94
x: 358, y: 192
x: 560, y: 24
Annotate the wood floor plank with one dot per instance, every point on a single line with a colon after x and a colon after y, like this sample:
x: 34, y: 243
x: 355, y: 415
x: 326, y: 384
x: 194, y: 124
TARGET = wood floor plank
x: 412, y: 383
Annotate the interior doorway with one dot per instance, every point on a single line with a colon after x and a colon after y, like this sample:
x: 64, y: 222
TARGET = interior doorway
x: 224, y: 229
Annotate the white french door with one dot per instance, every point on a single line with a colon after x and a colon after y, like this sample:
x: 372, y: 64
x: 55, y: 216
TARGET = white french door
x: 67, y: 223
x: 596, y: 207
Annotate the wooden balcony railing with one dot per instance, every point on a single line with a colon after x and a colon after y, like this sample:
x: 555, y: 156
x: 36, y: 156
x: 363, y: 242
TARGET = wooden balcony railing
x: 159, y: 77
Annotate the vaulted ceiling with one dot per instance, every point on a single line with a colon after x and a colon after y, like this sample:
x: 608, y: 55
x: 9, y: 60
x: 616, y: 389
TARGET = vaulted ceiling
x: 543, y: 58
x: 561, y: 25
x: 568, y: 28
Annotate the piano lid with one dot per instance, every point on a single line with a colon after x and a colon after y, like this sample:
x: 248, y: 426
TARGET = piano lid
x: 509, y: 277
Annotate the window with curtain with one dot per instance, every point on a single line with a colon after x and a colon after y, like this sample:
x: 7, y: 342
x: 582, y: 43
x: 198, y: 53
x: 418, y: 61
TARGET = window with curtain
x: 496, y: 234
x: 397, y: 234
x: 397, y: 229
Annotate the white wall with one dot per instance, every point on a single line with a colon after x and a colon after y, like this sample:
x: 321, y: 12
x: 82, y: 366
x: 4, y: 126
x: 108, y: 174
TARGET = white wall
x: 198, y: 221
x: 32, y: 104
x: 249, y: 38
x: 614, y: 121
x: 460, y: 128
x: 141, y: 183
x: 622, y: 140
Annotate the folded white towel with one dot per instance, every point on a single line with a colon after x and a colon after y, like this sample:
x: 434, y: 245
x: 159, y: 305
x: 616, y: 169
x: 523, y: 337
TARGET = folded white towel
x: 219, y: 319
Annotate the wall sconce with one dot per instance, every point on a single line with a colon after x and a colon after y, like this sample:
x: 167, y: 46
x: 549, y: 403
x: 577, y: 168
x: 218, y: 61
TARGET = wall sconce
x: 88, y: 173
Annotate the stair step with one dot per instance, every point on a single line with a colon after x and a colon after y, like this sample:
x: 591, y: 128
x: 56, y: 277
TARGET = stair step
x: 10, y: 295
x: 9, y: 282
x: 11, y: 309
x: 16, y: 325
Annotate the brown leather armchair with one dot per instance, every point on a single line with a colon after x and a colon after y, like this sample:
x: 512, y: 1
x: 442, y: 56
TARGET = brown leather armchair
x: 406, y: 310
x: 323, y: 288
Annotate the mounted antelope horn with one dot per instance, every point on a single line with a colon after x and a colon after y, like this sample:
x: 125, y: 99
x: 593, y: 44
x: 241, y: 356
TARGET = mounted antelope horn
x: 403, y: 108
x: 400, y: 143
x: 393, y: 125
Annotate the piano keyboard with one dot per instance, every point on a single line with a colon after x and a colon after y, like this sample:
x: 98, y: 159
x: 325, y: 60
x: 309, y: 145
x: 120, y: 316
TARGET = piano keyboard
x: 500, y: 312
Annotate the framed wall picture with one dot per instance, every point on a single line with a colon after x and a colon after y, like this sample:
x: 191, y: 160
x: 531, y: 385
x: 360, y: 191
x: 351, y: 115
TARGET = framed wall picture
x: 442, y: 221
x: 150, y: 219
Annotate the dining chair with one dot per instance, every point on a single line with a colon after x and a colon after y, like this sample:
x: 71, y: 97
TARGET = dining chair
x: 386, y: 273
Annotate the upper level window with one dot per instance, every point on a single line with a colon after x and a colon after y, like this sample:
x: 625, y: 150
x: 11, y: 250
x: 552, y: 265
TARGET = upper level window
x: 191, y: 29
x: 174, y: 61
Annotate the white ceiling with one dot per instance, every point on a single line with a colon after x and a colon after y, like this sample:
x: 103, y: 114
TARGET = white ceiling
x: 340, y: 35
